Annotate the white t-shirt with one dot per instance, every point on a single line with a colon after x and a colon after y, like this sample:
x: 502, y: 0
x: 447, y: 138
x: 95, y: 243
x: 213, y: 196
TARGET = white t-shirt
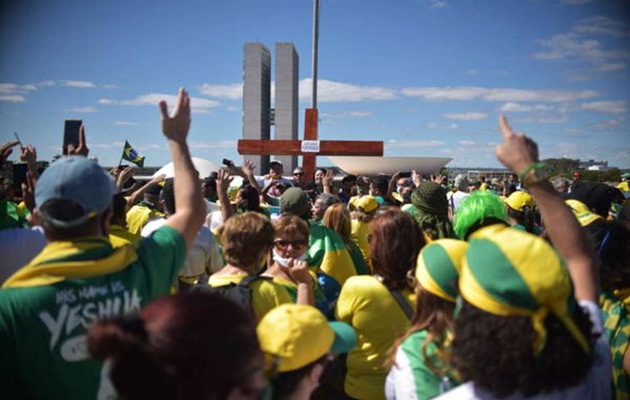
x: 455, y: 199
x: 202, y: 256
x: 597, y: 385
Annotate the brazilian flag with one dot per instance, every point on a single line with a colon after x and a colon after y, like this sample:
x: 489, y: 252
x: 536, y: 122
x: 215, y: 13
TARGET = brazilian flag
x: 131, y: 155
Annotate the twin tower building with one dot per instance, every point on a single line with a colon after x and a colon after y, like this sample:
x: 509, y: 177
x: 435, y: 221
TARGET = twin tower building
x: 258, y: 113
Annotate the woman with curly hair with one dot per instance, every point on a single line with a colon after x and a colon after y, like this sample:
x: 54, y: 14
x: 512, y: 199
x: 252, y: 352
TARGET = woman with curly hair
x: 529, y: 325
x: 420, y: 365
x: 367, y: 302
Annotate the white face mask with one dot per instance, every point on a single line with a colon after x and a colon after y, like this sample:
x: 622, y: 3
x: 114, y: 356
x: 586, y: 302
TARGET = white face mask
x: 285, y: 261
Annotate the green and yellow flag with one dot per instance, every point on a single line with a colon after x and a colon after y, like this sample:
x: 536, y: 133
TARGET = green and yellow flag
x: 131, y: 155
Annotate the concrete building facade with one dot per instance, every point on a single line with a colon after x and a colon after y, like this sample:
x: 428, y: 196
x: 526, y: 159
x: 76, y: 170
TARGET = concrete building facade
x: 257, y: 97
x: 286, y: 99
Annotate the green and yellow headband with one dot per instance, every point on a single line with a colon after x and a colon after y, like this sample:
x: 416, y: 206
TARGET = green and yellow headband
x: 438, y: 267
x: 509, y: 272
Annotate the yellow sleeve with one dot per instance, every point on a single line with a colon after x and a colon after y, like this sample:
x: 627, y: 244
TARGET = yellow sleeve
x: 267, y: 295
x: 346, y: 303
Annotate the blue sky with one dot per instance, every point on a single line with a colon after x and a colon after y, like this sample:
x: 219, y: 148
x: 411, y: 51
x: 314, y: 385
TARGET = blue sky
x: 427, y: 77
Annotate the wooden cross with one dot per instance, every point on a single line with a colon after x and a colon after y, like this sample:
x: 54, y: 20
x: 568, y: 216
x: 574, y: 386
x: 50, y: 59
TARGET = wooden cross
x: 295, y: 147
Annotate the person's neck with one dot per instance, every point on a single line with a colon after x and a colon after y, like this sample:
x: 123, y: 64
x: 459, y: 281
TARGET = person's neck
x: 231, y: 269
x: 276, y: 270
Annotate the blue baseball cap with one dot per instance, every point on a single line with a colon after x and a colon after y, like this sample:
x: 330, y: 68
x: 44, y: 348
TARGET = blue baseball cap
x: 80, y: 180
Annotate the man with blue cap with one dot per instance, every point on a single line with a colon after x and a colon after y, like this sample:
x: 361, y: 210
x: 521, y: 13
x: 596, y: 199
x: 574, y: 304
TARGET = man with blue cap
x: 46, y: 306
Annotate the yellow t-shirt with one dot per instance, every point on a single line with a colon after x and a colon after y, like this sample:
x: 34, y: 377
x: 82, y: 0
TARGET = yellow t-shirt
x: 367, y: 305
x: 119, y: 236
x: 138, y: 216
x: 623, y: 186
x: 266, y: 294
x: 359, y: 232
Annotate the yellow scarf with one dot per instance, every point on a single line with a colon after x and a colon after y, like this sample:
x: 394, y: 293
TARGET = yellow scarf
x: 78, y: 259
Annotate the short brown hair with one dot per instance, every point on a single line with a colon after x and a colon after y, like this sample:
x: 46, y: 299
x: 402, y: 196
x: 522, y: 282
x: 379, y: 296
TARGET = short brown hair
x: 291, y: 224
x: 245, y: 237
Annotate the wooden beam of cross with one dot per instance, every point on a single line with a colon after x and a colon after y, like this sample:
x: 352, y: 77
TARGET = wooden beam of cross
x: 310, y: 147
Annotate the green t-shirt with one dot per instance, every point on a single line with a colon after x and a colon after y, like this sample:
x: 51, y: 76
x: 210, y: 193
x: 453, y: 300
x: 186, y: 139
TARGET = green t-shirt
x: 43, y: 328
x: 411, y: 377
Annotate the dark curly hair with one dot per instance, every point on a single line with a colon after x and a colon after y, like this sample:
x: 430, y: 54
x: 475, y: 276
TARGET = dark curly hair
x: 495, y: 352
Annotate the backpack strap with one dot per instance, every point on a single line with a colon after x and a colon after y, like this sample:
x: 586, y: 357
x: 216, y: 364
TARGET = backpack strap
x: 248, y: 280
x: 404, y: 304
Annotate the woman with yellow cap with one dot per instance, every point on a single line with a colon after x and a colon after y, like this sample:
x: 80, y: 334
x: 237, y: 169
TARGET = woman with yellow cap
x: 521, y: 212
x: 420, y: 368
x: 528, y: 324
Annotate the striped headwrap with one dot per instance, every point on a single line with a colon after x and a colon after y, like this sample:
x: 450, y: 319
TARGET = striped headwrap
x: 438, y: 267
x: 508, y: 272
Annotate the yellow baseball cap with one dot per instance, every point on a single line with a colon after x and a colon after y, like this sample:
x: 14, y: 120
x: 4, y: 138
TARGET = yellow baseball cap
x: 367, y: 203
x: 584, y: 216
x: 297, y: 335
x: 520, y: 199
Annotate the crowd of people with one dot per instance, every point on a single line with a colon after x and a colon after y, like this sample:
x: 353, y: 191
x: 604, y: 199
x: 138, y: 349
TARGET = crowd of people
x: 389, y: 287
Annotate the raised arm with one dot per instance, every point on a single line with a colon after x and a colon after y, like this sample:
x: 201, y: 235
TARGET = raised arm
x: 190, y: 208
x: 519, y: 152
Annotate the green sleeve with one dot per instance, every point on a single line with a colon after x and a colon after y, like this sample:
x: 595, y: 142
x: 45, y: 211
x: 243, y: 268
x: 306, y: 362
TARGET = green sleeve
x: 162, y: 256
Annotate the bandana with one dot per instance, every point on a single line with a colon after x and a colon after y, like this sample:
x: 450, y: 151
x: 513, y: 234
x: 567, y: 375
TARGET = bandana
x: 510, y: 272
x: 78, y: 259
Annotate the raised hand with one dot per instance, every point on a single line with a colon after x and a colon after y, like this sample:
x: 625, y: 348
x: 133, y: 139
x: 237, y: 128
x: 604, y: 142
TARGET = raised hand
x: 124, y: 176
x: 248, y: 167
x: 517, y: 151
x: 6, y: 150
x: 298, y: 270
x: 224, y: 178
x: 416, y: 178
x: 82, y: 149
x: 176, y: 126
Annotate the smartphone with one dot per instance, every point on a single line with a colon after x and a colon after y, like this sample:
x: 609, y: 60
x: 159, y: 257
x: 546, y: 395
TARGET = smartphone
x: 71, y: 134
x: 227, y: 163
x: 405, y: 175
x: 19, y: 174
x: 18, y: 139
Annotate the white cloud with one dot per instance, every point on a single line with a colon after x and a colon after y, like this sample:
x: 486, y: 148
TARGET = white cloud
x: 15, y: 93
x: 469, y: 93
x: 347, y: 114
x: 230, y: 92
x: 545, y: 119
x: 438, y: 4
x: 12, y: 98
x: 514, y: 107
x: 435, y: 125
x: 412, y: 143
x: 47, y: 83
x: 220, y: 144
x: 467, y: 143
x: 83, y: 109
x: 336, y: 92
x: 611, y: 107
x: 198, y: 105
x: 601, y: 25
x: 469, y: 116
x: 126, y: 123
x: 608, y: 125
x: 612, y: 66
x: 580, y: 45
x: 78, y: 84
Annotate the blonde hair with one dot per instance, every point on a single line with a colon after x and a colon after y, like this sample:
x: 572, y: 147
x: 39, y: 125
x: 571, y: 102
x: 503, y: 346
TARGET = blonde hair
x: 337, y: 218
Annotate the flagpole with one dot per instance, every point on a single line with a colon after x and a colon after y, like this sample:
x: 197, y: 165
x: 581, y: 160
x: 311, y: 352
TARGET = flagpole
x: 122, y: 155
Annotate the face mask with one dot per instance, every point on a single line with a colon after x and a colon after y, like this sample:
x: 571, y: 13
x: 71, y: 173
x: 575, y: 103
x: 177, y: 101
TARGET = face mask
x: 285, y: 261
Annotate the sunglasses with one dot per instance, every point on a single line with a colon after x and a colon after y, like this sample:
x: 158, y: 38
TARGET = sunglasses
x: 298, y: 174
x: 297, y: 244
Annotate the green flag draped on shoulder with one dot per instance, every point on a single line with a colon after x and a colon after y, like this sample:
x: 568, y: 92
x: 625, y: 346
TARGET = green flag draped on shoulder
x: 131, y: 155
